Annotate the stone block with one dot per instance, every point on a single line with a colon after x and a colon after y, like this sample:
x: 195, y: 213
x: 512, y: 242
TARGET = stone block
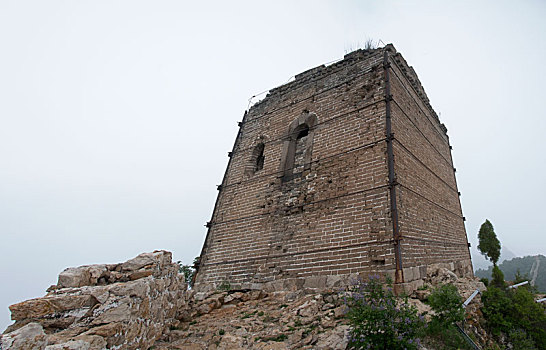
x: 139, y: 262
x: 317, y: 282
x: 74, y: 277
x: 36, y: 308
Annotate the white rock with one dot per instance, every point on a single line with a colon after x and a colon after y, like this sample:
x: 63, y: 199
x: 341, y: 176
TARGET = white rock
x: 70, y: 345
x: 28, y: 337
x: 139, y: 262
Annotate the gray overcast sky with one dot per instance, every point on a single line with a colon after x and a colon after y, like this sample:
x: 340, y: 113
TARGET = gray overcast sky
x: 117, y: 116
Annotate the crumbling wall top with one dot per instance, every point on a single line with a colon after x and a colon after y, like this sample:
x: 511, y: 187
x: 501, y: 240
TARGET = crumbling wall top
x: 319, y: 72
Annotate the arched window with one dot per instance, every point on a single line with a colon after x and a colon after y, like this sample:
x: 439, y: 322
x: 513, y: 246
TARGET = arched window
x: 300, y: 150
x: 297, y: 146
x: 260, y: 158
x: 257, y: 158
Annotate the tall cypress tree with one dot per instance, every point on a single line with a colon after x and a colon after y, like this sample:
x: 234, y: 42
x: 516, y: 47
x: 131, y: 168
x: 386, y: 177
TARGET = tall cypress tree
x: 488, y: 244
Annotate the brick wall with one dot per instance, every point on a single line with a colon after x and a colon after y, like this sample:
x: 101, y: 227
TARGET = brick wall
x: 431, y: 222
x: 331, y: 217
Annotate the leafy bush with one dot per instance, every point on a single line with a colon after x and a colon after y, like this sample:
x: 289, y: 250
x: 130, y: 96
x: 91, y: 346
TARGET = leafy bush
x: 520, y: 340
x: 495, y: 310
x: 506, y: 311
x: 446, y: 302
x: 380, y: 320
x: 447, y: 305
x: 529, y: 315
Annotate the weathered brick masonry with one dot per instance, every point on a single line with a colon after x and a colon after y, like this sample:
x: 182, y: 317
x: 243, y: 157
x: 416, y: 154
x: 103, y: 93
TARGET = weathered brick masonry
x: 331, y: 175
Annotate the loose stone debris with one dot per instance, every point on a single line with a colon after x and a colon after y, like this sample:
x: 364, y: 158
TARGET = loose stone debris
x: 144, y: 304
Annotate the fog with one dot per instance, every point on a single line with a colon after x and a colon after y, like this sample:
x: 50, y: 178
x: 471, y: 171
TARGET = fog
x: 117, y: 116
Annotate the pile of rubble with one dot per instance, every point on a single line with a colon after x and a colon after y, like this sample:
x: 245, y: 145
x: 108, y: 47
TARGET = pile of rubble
x: 144, y: 304
x: 302, y: 319
x: 258, y: 320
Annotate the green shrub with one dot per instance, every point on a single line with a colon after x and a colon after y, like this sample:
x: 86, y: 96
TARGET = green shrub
x: 447, y: 305
x: 446, y: 302
x: 520, y: 340
x: 380, y: 320
x: 529, y: 315
x: 506, y: 311
x: 496, y: 305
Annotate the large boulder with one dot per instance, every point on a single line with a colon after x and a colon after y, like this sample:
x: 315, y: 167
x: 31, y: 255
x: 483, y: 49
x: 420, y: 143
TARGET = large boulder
x: 74, y: 277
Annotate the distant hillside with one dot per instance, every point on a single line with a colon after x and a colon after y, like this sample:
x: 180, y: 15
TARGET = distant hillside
x: 506, y: 254
x: 479, y: 262
x: 533, y: 266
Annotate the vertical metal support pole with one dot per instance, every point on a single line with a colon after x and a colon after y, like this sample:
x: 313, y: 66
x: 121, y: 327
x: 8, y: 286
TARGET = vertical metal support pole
x: 399, y: 276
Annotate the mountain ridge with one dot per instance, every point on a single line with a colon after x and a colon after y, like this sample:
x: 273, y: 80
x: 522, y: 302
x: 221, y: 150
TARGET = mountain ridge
x: 533, y: 267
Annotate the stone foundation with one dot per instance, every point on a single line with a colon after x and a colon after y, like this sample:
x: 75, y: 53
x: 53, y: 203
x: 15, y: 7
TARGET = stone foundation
x: 413, y: 279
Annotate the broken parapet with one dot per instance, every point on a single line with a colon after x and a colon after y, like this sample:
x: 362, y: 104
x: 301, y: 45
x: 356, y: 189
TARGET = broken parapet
x: 119, y: 306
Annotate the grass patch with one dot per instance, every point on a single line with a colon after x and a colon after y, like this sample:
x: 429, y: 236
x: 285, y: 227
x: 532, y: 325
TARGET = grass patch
x: 278, y: 338
x: 248, y: 314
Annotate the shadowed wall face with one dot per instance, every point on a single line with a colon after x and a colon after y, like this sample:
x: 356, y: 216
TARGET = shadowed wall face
x: 305, y: 199
x: 430, y: 215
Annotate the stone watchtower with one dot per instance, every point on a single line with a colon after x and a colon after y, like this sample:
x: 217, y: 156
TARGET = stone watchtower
x: 346, y: 170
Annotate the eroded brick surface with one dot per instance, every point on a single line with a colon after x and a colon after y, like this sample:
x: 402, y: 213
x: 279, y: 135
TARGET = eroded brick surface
x: 319, y: 211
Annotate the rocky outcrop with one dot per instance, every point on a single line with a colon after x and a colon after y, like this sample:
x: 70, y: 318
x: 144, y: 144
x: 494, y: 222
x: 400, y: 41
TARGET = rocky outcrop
x: 115, y: 306
x: 144, y: 304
